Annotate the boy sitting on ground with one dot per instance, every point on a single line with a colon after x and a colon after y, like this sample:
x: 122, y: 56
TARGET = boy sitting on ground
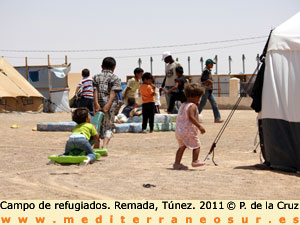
x: 129, y: 111
x: 83, y: 134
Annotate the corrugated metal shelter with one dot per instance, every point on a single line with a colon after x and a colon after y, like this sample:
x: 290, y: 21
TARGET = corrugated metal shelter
x: 51, y: 81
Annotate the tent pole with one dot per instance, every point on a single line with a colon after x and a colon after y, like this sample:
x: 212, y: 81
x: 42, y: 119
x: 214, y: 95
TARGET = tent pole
x: 49, y: 85
x: 219, y: 87
x: 26, y: 68
x: 66, y: 62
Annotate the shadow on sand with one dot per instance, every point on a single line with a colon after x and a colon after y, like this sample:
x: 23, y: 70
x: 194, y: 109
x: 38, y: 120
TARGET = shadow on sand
x: 265, y: 167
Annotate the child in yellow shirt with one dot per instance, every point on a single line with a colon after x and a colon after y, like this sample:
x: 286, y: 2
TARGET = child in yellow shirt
x: 83, y: 132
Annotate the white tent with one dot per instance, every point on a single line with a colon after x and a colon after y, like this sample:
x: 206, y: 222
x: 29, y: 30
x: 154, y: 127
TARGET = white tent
x: 280, y: 112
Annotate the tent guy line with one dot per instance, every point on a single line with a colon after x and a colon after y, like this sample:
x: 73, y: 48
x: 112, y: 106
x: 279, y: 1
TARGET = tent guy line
x: 136, y: 48
x: 134, y: 56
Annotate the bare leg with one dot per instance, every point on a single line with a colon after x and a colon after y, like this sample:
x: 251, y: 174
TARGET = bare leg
x: 97, y: 144
x: 179, y: 154
x: 195, y: 162
x: 178, y: 158
x: 196, y: 154
x: 105, y: 144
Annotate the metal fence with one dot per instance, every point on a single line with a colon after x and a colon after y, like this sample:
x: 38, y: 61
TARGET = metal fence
x: 202, y: 62
x: 221, y: 83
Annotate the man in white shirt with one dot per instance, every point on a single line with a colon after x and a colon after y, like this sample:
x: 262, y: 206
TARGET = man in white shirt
x: 169, y: 81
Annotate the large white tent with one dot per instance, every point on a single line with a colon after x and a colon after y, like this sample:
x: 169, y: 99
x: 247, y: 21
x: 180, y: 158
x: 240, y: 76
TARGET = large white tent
x: 280, y: 112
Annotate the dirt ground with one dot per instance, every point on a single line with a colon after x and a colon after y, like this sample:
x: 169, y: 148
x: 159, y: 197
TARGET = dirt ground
x: 137, y: 159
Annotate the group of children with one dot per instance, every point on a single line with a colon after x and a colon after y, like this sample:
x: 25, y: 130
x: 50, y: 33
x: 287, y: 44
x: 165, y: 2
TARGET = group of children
x: 107, y: 85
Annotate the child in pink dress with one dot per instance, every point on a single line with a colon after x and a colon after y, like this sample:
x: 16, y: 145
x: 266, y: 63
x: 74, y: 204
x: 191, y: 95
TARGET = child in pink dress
x: 187, y: 126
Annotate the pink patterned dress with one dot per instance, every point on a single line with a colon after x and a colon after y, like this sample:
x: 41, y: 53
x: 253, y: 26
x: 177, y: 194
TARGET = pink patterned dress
x: 186, y: 132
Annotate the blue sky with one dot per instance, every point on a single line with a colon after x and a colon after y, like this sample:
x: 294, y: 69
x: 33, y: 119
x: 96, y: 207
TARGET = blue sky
x: 97, y: 24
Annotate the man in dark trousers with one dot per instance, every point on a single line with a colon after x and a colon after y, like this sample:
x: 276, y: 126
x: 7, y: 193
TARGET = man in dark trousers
x: 207, y: 82
x: 169, y: 81
x: 177, y: 93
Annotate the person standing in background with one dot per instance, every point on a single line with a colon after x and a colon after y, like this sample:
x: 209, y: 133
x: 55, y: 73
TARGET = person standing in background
x: 132, y: 85
x: 177, y: 93
x: 156, y: 97
x: 207, y: 82
x: 169, y: 81
x: 147, y: 90
x: 86, y: 98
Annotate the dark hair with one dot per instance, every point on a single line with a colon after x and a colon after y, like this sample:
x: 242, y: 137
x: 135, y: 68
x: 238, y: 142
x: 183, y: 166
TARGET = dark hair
x: 138, y: 70
x: 179, y: 70
x: 79, y: 115
x: 153, y: 80
x: 85, y: 73
x: 108, y: 63
x: 193, y: 90
x: 131, y: 101
x: 146, y: 76
x: 169, y: 59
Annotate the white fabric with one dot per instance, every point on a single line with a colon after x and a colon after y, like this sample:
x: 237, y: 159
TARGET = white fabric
x: 286, y: 36
x: 171, y: 73
x: 165, y: 55
x: 122, y: 118
x: 157, y: 97
x: 281, y: 92
x: 60, y: 100
x: 61, y: 72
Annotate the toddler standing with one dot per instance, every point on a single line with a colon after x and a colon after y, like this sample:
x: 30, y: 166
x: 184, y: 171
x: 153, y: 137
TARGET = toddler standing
x: 156, y: 98
x: 187, y: 126
x: 147, y: 91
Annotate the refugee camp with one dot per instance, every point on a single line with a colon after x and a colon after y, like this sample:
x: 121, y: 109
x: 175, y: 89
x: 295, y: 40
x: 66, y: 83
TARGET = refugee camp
x: 149, y: 100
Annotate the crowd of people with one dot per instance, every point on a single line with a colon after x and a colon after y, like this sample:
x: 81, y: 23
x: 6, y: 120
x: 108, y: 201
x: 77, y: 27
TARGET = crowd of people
x: 103, y: 92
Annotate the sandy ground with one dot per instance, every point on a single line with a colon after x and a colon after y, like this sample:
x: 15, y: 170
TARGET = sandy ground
x: 137, y: 159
